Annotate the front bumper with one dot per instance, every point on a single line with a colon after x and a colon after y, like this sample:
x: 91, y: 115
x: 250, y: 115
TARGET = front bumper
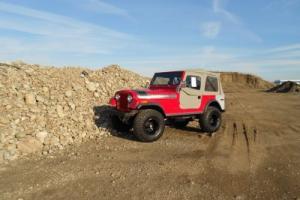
x: 125, y: 117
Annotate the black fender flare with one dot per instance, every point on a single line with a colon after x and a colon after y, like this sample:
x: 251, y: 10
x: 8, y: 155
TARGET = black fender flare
x: 154, y: 106
x: 214, y: 103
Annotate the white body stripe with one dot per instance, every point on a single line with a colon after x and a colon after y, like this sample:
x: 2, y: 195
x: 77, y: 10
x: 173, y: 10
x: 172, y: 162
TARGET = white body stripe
x: 157, y: 96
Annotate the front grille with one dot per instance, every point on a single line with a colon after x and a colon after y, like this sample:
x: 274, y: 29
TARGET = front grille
x: 123, y: 103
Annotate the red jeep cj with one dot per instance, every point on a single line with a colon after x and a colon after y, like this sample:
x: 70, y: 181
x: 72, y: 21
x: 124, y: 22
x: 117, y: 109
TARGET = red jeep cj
x: 177, y: 97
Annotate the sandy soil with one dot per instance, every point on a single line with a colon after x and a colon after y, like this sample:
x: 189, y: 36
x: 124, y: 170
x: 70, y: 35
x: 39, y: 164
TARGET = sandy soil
x: 255, y: 155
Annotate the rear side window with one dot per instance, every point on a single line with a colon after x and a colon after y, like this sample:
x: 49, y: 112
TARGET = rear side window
x: 211, y: 84
x: 193, y: 82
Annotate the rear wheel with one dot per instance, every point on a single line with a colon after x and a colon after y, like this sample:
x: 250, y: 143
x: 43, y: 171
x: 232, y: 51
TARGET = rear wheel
x: 148, y: 125
x: 211, y: 120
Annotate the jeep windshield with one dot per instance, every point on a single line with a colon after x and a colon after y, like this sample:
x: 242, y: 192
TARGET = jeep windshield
x: 166, y: 79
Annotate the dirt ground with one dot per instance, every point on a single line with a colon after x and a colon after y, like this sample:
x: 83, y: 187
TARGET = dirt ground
x: 255, y: 155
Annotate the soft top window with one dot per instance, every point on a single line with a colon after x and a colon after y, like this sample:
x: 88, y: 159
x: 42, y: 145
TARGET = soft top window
x: 166, y: 78
x: 211, y: 84
x: 193, y: 82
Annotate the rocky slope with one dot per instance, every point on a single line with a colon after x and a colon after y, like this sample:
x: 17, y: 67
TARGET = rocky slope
x: 46, y: 108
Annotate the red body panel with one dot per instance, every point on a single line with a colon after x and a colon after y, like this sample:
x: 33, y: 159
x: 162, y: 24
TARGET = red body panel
x: 170, y: 105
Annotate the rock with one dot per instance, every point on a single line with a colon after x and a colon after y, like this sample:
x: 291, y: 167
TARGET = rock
x: 96, y: 94
x: 91, y: 86
x: 40, y: 99
x: 8, y: 107
x: 60, y: 111
x: 4, y: 120
x: 72, y: 105
x: 41, y: 136
x: 45, y: 89
x: 7, y: 156
x: 29, y: 145
x: 68, y: 93
x: 84, y: 74
x: 54, y: 141
x: 30, y: 99
x: 20, y: 135
x: 76, y: 87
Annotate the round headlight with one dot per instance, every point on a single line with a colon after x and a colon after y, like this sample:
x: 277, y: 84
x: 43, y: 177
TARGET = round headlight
x: 129, y: 98
x: 117, y: 97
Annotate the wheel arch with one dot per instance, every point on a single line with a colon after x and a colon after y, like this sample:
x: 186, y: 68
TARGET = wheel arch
x: 215, y: 104
x: 156, y: 107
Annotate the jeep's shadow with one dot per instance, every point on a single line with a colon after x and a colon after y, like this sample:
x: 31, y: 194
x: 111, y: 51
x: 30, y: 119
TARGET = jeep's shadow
x: 103, y: 119
x: 190, y: 129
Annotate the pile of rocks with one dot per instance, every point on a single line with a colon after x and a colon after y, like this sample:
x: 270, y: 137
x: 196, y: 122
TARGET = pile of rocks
x: 47, y: 108
x: 286, y: 87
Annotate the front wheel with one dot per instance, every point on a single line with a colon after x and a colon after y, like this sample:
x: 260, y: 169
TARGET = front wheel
x: 148, y: 125
x: 210, y: 121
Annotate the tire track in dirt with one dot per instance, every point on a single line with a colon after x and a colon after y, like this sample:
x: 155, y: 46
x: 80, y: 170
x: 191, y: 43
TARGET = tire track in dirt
x: 234, y: 134
x: 247, y: 139
x: 235, y: 149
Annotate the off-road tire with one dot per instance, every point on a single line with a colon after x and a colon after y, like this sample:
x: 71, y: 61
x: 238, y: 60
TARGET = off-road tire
x: 142, y: 119
x: 180, y: 123
x: 205, y: 120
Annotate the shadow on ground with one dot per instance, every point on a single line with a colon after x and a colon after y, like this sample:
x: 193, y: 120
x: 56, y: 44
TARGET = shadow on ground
x: 103, y: 118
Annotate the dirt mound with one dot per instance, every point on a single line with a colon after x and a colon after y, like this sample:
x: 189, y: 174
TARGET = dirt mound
x: 286, y: 87
x: 238, y: 81
x: 47, y: 108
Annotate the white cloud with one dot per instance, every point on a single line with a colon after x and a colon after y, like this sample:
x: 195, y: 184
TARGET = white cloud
x: 106, y: 8
x: 257, y: 61
x: 211, y: 29
x: 282, y: 4
x: 285, y: 48
x: 57, y: 33
x: 219, y: 9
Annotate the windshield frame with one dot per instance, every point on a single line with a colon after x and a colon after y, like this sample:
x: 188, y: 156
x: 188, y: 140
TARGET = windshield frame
x: 178, y: 74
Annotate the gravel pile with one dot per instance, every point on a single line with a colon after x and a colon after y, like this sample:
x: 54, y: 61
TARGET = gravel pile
x: 45, y: 108
x: 286, y: 87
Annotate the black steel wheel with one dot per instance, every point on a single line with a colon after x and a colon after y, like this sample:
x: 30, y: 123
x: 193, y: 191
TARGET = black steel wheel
x: 148, y: 125
x: 211, y: 120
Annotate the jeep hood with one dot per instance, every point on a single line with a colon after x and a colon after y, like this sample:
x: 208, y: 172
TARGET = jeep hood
x: 147, y: 93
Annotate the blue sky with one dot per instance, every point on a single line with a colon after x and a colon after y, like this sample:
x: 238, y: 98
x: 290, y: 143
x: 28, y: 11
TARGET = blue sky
x: 258, y: 36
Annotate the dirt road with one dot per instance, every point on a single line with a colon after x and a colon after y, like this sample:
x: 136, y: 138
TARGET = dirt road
x: 255, y: 155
